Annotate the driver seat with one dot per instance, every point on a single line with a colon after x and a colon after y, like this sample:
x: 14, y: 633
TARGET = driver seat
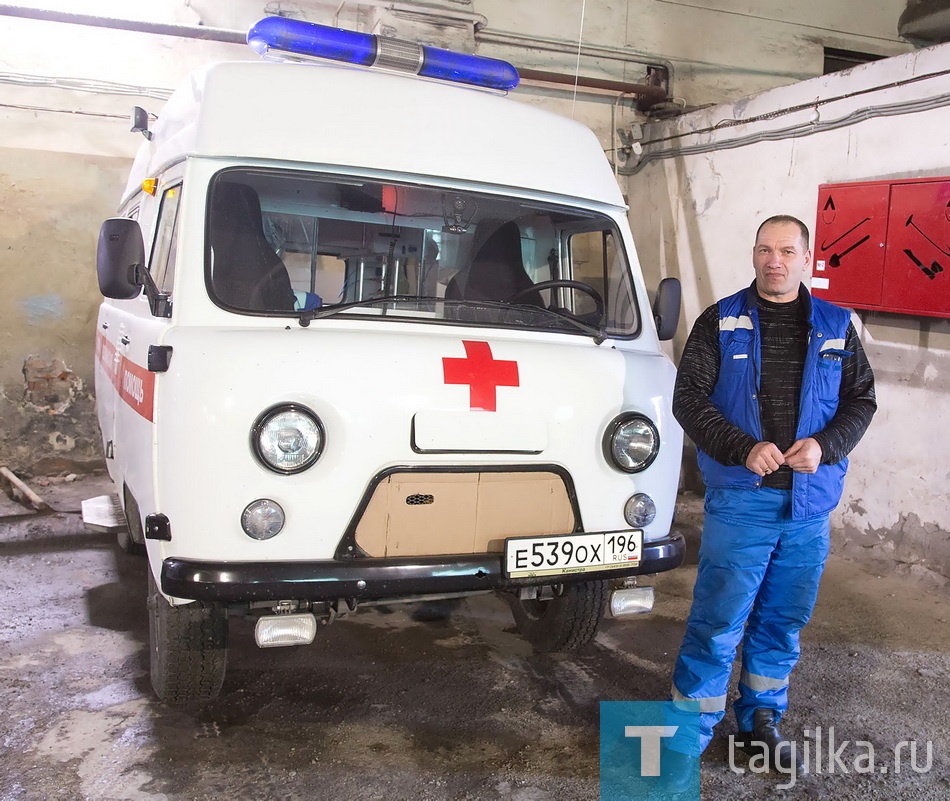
x: 247, y: 273
x: 497, y: 271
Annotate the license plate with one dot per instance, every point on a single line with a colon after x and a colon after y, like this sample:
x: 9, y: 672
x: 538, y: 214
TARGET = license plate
x: 526, y: 557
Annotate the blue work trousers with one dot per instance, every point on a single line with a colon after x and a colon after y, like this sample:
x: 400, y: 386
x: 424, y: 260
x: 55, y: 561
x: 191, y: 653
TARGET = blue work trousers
x: 757, y: 583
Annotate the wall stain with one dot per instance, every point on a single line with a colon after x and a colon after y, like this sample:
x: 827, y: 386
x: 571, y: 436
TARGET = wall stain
x: 41, y: 309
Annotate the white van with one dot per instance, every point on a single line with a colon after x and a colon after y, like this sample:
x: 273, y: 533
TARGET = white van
x: 372, y: 337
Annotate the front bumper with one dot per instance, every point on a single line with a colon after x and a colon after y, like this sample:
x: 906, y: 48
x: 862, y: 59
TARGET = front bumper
x: 376, y: 578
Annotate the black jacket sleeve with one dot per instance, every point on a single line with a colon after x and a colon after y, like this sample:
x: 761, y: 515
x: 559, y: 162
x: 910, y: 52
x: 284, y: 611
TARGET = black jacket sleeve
x: 696, y: 379
x: 856, y: 404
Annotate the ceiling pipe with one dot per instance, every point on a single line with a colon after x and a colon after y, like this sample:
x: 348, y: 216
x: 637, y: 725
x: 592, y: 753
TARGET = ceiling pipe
x: 660, y: 67
x: 649, y: 94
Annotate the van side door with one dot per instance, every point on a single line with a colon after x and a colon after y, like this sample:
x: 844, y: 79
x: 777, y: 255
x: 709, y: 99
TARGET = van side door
x: 138, y: 330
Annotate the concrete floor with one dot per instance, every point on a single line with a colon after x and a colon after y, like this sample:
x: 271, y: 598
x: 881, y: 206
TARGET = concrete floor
x: 383, y: 707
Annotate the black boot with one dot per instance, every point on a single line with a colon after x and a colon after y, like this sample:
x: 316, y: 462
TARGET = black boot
x: 679, y: 773
x: 781, y: 754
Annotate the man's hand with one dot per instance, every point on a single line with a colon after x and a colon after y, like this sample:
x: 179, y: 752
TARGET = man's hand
x: 804, y: 456
x: 765, y: 458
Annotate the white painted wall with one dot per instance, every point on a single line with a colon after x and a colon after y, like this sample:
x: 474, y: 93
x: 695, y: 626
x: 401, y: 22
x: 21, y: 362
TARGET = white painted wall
x: 695, y: 217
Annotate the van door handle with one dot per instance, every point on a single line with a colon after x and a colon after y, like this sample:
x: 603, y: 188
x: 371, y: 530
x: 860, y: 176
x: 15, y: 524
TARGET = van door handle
x: 124, y: 340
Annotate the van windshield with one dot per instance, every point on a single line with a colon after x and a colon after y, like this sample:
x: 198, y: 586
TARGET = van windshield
x: 286, y: 243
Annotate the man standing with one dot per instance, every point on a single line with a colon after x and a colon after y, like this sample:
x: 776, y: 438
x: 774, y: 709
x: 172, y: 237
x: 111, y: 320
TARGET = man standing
x: 775, y: 390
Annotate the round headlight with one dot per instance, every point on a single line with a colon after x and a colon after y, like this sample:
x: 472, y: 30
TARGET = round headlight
x: 288, y: 438
x: 631, y: 443
x: 639, y: 510
x: 262, y: 519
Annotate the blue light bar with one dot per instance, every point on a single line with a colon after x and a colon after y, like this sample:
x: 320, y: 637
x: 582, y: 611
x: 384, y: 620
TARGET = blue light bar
x: 310, y: 40
x: 447, y: 65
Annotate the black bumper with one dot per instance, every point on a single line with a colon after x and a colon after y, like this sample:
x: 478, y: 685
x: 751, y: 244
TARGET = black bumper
x: 370, y: 578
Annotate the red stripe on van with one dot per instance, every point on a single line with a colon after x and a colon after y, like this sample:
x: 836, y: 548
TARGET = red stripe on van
x: 134, y: 383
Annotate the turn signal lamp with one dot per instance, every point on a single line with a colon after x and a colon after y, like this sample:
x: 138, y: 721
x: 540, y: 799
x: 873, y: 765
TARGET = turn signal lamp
x: 262, y: 519
x: 639, y: 510
x: 150, y: 185
x: 310, y: 40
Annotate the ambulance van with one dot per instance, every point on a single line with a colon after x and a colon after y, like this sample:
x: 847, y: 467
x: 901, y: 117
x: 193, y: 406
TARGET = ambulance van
x: 374, y: 332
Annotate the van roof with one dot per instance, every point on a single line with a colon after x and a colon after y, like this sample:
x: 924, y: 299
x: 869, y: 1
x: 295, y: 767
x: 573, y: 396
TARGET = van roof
x: 355, y: 118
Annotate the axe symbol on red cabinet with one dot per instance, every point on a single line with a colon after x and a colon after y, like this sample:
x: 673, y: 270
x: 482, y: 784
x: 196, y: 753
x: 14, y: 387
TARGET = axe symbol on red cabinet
x: 910, y: 223
x: 931, y: 271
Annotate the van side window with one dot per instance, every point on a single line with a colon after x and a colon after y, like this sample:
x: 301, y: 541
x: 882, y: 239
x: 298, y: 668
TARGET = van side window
x: 588, y: 264
x: 594, y: 261
x: 165, y: 248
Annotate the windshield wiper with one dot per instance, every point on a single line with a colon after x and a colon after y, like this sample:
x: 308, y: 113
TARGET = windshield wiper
x: 596, y: 332
x: 328, y: 311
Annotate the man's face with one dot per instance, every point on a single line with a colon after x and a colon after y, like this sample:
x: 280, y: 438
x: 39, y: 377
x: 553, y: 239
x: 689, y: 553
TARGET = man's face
x: 781, y: 261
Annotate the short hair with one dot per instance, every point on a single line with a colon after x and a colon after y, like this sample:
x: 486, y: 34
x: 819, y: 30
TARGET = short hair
x: 785, y: 218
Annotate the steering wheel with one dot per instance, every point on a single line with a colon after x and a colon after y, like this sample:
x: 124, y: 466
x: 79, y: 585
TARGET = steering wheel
x: 587, y: 289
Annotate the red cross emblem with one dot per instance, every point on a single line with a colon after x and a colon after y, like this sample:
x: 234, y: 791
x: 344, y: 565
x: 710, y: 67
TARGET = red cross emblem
x: 481, y: 372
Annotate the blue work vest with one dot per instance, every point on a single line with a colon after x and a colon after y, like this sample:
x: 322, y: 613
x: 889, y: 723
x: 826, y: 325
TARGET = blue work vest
x: 736, y: 395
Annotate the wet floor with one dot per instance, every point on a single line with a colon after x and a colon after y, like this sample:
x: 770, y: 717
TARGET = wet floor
x: 382, y: 706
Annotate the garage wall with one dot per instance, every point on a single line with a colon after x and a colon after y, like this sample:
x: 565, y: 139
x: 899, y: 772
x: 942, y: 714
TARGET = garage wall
x: 695, y: 216
x: 66, y: 91
x: 63, y: 164
x: 52, y: 205
x: 719, y: 49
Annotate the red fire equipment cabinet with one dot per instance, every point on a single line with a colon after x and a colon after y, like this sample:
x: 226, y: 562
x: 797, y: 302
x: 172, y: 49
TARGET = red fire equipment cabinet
x: 884, y: 245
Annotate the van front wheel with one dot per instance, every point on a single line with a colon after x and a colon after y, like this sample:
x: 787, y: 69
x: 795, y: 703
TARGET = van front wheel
x: 566, y: 622
x: 188, y: 649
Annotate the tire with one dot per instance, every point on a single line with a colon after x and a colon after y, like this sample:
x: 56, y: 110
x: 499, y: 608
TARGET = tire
x: 566, y: 622
x: 188, y: 649
x: 129, y: 545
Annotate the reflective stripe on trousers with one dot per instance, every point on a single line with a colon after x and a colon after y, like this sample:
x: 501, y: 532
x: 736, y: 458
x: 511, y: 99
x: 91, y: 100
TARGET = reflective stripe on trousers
x: 756, y: 565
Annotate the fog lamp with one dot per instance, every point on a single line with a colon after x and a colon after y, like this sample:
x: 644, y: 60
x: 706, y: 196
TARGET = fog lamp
x: 274, y: 631
x: 631, y: 601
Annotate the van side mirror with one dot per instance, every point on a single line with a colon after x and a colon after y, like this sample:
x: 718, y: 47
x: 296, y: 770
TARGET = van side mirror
x: 118, y: 257
x: 666, y: 307
x: 120, y: 264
